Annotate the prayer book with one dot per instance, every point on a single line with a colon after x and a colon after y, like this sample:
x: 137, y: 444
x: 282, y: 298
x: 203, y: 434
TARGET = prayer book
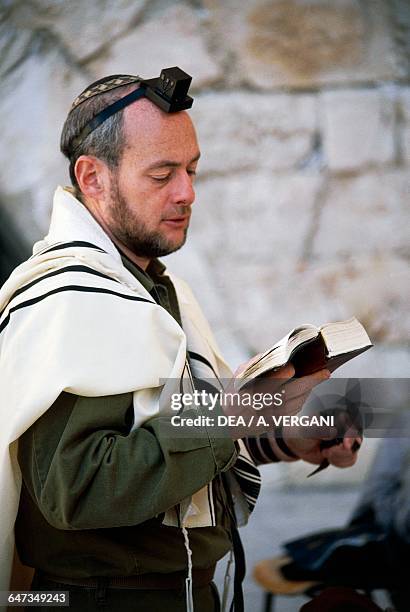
x: 309, y: 349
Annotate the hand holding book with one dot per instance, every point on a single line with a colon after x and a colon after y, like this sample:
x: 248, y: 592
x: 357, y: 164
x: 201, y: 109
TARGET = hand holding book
x: 311, y: 353
x: 293, y: 395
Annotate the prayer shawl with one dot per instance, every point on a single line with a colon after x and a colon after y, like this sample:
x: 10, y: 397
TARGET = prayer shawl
x: 72, y: 319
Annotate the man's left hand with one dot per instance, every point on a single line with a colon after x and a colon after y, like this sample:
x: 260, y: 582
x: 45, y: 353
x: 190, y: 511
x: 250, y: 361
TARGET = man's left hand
x: 308, y: 448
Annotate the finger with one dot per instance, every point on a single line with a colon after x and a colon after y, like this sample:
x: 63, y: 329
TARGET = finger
x: 340, y: 457
x: 353, y: 444
x: 294, y: 405
x: 357, y: 444
x: 341, y: 464
x: 347, y: 444
x: 322, y: 433
x: 284, y: 373
x: 341, y: 461
x: 288, y: 370
x: 300, y: 386
x: 351, y: 439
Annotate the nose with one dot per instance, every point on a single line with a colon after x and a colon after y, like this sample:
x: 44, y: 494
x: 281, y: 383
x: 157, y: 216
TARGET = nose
x: 184, y: 193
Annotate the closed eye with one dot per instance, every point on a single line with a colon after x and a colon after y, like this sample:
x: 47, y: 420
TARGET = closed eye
x: 161, y: 179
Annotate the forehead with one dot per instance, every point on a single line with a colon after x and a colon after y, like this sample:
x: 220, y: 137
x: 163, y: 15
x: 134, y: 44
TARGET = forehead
x: 150, y: 132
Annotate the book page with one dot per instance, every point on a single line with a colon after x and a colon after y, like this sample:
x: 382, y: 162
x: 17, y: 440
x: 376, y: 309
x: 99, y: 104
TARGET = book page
x: 279, y: 354
x: 344, y: 336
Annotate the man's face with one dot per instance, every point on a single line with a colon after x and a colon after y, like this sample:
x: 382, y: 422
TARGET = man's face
x: 152, y: 189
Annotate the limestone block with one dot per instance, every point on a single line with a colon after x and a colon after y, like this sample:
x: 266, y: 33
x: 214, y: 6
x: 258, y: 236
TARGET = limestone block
x: 36, y: 98
x: 85, y: 27
x: 364, y: 214
x: 277, y: 298
x: 405, y: 131
x: 299, y: 43
x: 400, y: 12
x: 15, y: 43
x: 250, y: 229
x: 268, y: 217
x: 374, y: 288
x: 191, y: 264
x: 254, y: 217
x: 239, y: 130
x: 357, y: 128
x: 172, y: 38
x: 283, y: 293
x: 247, y: 230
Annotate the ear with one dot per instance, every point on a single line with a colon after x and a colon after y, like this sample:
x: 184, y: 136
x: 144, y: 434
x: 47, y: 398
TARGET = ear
x: 92, y: 176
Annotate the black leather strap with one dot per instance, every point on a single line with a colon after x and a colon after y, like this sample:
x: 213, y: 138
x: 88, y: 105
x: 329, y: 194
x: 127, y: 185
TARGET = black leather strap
x: 105, y: 114
x: 237, y: 604
x: 282, y: 444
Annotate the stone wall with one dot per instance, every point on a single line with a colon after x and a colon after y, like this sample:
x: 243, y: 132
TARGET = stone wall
x: 303, y: 114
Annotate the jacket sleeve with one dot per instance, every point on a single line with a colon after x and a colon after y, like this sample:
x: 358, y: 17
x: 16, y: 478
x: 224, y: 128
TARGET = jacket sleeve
x: 86, y: 469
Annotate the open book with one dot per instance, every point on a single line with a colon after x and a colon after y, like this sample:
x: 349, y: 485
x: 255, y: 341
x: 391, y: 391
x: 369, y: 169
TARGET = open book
x: 311, y: 348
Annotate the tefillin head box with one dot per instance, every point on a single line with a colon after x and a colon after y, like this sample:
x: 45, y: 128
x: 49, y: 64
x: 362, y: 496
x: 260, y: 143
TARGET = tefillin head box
x: 169, y: 91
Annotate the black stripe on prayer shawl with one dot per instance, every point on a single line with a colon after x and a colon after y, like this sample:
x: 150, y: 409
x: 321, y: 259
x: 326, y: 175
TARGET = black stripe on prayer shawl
x: 252, y: 447
x: 267, y: 448
x: 80, y: 288
x: 67, y: 245
x: 245, y: 471
x: 203, y: 360
x: 248, y: 478
x: 55, y: 273
x: 260, y: 450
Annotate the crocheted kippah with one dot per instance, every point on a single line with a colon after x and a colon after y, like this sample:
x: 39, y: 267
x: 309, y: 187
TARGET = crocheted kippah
x: 103, y: 85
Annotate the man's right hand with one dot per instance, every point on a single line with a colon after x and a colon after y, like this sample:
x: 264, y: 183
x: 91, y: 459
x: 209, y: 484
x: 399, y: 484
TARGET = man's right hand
x: 293, y: 393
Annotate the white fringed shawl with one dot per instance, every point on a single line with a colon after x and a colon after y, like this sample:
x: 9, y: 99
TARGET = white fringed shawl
x: 79, y: 331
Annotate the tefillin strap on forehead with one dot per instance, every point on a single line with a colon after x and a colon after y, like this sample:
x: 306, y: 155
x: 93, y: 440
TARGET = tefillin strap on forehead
x: 168, y: 91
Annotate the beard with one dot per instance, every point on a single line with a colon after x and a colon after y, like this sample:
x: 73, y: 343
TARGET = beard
x: 134, y: 233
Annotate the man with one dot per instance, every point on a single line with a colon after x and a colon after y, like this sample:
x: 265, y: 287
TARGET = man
x: 116, y: 506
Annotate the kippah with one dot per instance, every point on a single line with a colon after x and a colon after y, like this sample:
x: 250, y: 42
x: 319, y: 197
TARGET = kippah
x: 103, y: 85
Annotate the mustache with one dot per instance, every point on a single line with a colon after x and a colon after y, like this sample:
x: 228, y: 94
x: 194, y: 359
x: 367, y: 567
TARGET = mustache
x: 183, y: 210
